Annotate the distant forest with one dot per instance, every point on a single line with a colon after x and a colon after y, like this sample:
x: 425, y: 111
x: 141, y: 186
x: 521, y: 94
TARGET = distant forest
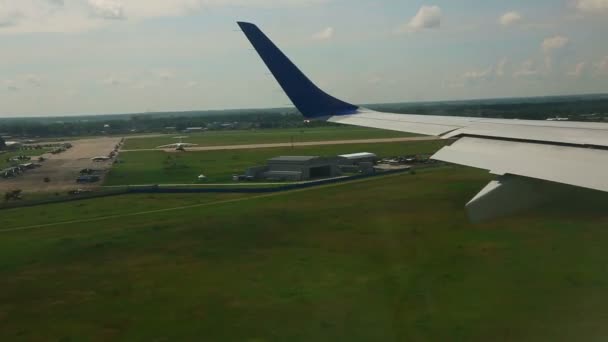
x: 579, y: 108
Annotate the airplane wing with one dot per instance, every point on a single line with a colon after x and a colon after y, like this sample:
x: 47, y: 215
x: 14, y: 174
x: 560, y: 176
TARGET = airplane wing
x: 167, y: 146
x: 531, y: 158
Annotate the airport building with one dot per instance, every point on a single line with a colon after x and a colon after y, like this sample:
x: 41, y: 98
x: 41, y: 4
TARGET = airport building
x: 362, y: 162
x: 295, y: 168
x: 194, y: 129
x: 13, y: 145
x: 357, y: 158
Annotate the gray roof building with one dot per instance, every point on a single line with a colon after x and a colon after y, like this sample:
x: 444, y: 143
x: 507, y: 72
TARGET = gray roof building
x: 296, y: 168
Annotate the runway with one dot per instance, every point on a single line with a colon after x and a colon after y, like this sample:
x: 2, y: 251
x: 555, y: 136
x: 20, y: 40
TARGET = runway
x: 295, y: 144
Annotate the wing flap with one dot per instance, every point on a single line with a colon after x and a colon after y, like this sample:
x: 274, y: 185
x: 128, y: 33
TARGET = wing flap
x: 572, y: 133
x: 526, y: 130
x: 579, y: 166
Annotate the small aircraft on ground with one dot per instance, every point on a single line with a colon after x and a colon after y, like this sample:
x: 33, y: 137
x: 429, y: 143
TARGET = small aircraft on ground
x: 100, y: 159
x: 180, y: 146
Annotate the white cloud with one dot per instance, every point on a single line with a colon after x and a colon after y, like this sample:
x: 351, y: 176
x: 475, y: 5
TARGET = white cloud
x: 428, y: 17
x: 550, y: 46
x: 591, y: 5
x: 325, y: 34
x: 527, y: 69
x: 22, y: 82
x: 478, y: 74
x: 578, y: 70
x: 165, y: 75
x: 18, y: 16
x: 453, y: 85
x: 500, y: 67
x: 33, y: 80
x: 159, y: 8
x: 510, y: 18
x: 9, y: 16
x: 554, y: 43
x: 139, y: 85
x: 602, y: 66
x: 11, y: 85
x: 489, y: 73
x: 70, y: 93
x: 115, y: 81
x: 375, y: 80
x: 107, y: 9
x: 191, y: 84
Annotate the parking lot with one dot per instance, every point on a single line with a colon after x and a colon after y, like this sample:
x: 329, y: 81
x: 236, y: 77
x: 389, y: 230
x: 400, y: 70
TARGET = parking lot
x: 64, y: 168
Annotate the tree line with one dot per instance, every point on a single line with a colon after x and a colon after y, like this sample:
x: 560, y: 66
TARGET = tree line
x: 580, y: 108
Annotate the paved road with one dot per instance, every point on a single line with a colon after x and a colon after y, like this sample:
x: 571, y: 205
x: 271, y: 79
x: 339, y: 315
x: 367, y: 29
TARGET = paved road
x: 288, y: 144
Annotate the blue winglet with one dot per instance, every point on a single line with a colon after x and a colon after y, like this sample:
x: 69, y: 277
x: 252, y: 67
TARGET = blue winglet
x: 311, y: 101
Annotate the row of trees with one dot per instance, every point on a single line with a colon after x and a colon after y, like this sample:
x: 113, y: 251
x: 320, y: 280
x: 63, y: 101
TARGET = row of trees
x: 576, y: 108
x: 150, y: 123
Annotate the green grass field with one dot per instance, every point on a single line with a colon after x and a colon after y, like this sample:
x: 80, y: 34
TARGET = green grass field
x: 268, y: 136
x: 158, y: 167
x: 385, y: 259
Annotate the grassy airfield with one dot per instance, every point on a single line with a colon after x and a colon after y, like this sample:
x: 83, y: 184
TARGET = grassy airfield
x: 264, y: 136
x: 390, y: 258
x: 158, y: 167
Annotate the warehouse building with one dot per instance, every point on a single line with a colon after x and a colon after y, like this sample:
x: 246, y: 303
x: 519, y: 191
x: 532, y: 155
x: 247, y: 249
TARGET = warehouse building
x: 357, y: 162
x: 357, y: 158
x: 13, y: 145
x: 194, y: 129
x: 295, y: 168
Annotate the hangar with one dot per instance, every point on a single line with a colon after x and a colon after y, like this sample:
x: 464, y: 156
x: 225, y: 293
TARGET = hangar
x: 13, y: 145
x: 296, y: 168
x: 357, y: 158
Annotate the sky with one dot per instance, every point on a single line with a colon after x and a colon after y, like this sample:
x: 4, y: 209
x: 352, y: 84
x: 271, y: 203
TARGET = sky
x: 75, y: 57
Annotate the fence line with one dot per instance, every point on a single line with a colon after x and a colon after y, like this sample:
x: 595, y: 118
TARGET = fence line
x: 159, y: 189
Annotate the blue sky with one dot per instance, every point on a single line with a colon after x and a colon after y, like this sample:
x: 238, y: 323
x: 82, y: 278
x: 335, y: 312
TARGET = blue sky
x: 68, y: 57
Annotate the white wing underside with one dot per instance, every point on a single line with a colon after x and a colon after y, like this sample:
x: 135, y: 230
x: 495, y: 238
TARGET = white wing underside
x: 559, y: 132
x: 573, y: 153
x: 565, y: 152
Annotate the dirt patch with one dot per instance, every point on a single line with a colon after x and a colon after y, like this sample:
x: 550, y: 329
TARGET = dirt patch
x: 63, y: 169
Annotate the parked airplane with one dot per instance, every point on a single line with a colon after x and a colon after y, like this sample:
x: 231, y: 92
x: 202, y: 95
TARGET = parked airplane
x: 180, y: 146
x: 100, y: 159
x: 530, y: 158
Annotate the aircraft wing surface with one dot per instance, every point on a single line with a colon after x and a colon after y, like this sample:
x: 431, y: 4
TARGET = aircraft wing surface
x: 564, y: 152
